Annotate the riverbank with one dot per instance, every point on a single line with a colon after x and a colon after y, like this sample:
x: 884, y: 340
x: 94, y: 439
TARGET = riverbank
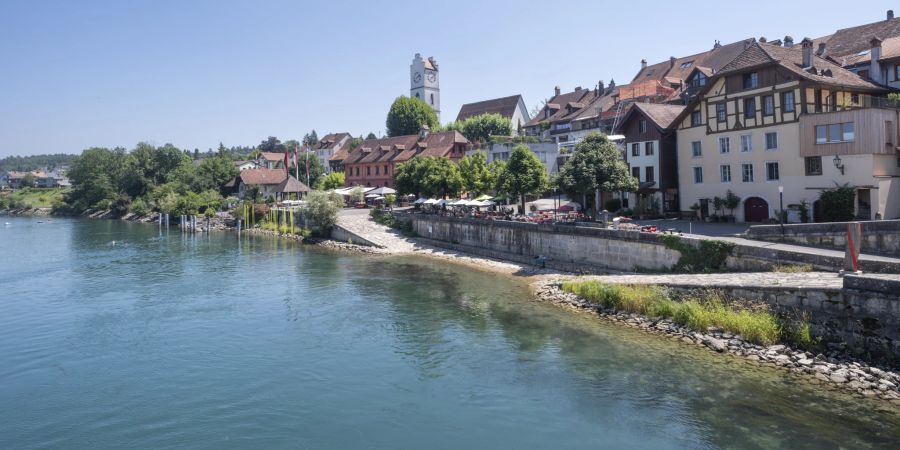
x: 833, y: 368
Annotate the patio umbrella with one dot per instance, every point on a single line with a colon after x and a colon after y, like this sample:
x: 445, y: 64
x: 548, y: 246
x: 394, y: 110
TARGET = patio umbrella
x: 372, y: 195
x: 484, y: 197
x: 420, y: 201
x: 383, y: 191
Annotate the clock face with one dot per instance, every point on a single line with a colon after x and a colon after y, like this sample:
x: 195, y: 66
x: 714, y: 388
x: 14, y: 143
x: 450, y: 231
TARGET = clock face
x: 431, y: 76
x: 417, y: 77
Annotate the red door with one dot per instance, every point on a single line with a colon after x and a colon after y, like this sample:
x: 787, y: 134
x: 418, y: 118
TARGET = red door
x: 756, y: 210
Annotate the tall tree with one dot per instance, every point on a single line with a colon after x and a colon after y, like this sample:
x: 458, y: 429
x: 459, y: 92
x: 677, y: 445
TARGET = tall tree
x: 479, y: 129
x: 442, y: 178
x: 477, y: 178
x: 371, y: 135
x: 408, y: 115
x: 316, y: 169
x: 271, y: 144
x: 333, y: 180
x: 596, y: 166
x: 523, y: 176
x: 409, y: 176
x: 311, y: 138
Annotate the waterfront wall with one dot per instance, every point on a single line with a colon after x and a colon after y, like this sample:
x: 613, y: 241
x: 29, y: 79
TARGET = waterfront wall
x: 879, y: 237
x: 865, y: 323
x: 597, y: 250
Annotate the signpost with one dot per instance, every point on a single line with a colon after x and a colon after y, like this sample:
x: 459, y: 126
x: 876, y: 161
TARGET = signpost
x: 851, y: 256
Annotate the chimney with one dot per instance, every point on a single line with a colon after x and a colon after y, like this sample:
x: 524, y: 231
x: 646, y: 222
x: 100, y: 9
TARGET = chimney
x: 890, y: 14
x: 716, y: 45
x: 612, y: 85
x: 875, y: 65
x: 776, y: 42
x: 556, y: 91
x: 788, y: 41
x: 601, y: 88
x: 671, y: 62
x: 577, y: 88
x: 643, y: 64
x: 821, y: 50
x: 807, y: 45
x: 762, y: 40
x: 423, y: 132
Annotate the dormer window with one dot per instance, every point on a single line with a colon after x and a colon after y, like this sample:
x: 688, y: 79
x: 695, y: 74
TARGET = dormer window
x: 751, y: 80
x: 642, y: 126
x: 687, y: 65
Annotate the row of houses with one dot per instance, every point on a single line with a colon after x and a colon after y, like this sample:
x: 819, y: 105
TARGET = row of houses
x: 773, y: 121
x: 38, y: 178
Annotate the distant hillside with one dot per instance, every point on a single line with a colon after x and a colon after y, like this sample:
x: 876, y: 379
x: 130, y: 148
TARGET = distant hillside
x: 24, y: 163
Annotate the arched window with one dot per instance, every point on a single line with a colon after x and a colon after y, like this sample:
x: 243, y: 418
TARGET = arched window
x: 417, y: 95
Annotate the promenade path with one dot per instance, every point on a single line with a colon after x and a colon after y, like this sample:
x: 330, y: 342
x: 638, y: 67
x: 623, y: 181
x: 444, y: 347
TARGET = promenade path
x: 391, y: 241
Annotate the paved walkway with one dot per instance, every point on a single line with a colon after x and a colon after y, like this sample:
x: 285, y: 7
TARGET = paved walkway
x: 818, y: 280
x: 357, y: 221
x: 794, y: 248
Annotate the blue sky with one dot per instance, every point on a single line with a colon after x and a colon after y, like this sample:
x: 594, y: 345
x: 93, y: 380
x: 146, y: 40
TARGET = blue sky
x: 76, y: 74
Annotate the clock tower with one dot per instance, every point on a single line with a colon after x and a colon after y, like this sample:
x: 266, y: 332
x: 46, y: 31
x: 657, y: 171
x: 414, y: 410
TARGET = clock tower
x: 424, y: 83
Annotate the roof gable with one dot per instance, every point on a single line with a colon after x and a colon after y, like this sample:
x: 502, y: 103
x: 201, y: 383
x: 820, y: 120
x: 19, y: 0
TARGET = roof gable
x: 505, y: 106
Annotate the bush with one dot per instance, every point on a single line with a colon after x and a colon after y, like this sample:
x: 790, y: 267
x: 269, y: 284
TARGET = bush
x: 322, y: 209
x: 139, y: 207
x: 708, y: 256
x: 836, y: 204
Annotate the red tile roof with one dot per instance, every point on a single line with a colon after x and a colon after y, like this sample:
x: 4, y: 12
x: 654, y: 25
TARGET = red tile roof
x: 255, y: 177
x: 402, y: 148
x: 505, y: 106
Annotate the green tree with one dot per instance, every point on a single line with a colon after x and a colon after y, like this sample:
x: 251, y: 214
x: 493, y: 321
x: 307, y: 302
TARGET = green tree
x: 409, y: 176
x: 28, y: 180
x: 214, y: 172
x: 442, y: 178
x: 96, y: 177
x: 371, y: 135
x: 357, y: 195
x: 322, y: 209
x: 408, y: 115
x: 311, y: 138
x: 271, y: 144
x: 477, y: 177
x: 334, y: 180
x: 479, y: 129
x: 316, y: 169
x: 523, y: 176
x: 596, y: 166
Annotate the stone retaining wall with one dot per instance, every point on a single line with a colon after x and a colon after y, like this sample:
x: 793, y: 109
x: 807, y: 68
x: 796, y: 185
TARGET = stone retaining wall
x: 879, y: 237
x: 596, y: 250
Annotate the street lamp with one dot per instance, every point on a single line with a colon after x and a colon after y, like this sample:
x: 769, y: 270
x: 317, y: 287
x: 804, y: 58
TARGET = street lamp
x: 838, y: 164
x: 781, y: 209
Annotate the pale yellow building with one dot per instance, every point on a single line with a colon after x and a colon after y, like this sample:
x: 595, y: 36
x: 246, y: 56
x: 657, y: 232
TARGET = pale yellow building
x: 775, y: 118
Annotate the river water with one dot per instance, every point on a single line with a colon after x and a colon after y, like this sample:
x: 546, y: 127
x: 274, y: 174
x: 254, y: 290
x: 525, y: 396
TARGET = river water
x: 115, y: 335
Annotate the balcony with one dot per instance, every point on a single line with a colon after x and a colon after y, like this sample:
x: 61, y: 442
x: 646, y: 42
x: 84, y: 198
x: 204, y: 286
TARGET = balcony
x: 874, y: 131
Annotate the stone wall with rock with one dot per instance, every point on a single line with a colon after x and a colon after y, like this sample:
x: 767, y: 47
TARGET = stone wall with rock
x: 879, y: 237
x: 597, y: 250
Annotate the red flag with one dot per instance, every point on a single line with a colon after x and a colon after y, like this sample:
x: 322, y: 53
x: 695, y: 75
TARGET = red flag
x: 296, y: 162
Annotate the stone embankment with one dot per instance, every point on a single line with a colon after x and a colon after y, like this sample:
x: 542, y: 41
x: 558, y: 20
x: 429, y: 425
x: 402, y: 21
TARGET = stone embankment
x: 854, y: 376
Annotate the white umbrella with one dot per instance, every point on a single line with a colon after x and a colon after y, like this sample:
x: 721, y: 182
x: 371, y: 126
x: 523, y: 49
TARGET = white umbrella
x: 441, y: 202
x: 372, y: 195
x: 420, y: 201
x: 430, y: 201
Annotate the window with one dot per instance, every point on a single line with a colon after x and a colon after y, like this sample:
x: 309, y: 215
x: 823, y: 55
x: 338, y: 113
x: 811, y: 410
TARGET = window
x: 768, y: 105
x: 687, y: 64
x: 699, y: 80
x: 698, y: 175
x: 650, y: 176
x: 749, y: 108
x: 772, y: 171
x: 746, y: 143
x: 771, y: 141
x: 648, y: 148
x: 751, y: 80
x: 835, y: 132
x: 368, y: 171
x: 787, y: 101
x: 642, y: 126
x: 432, y: 99
x: 747, y: 173
x: 724, y: 145
x: 377, y: 170
x: 636, y: 173
x: 635, y: 149
x: 696, y: 149
x: 386, y: 169
x: 725, y: 172
x: 357, y: 171
x: 813, y: 165
x: 720, y: 112
x: 696, y: 118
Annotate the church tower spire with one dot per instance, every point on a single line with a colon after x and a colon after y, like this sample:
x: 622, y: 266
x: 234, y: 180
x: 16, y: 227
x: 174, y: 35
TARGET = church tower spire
x: 424, y: 82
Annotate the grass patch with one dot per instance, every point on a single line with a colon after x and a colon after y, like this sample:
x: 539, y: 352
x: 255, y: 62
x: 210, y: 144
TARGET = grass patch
x: 700, y: 313
x: 793, y: 268
x: 32, y: 198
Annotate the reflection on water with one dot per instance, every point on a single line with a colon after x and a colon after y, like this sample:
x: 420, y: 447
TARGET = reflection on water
x: 173, y: 340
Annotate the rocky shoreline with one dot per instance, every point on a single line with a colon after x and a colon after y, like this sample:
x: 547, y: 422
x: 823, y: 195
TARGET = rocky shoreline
x: 853, y: 376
